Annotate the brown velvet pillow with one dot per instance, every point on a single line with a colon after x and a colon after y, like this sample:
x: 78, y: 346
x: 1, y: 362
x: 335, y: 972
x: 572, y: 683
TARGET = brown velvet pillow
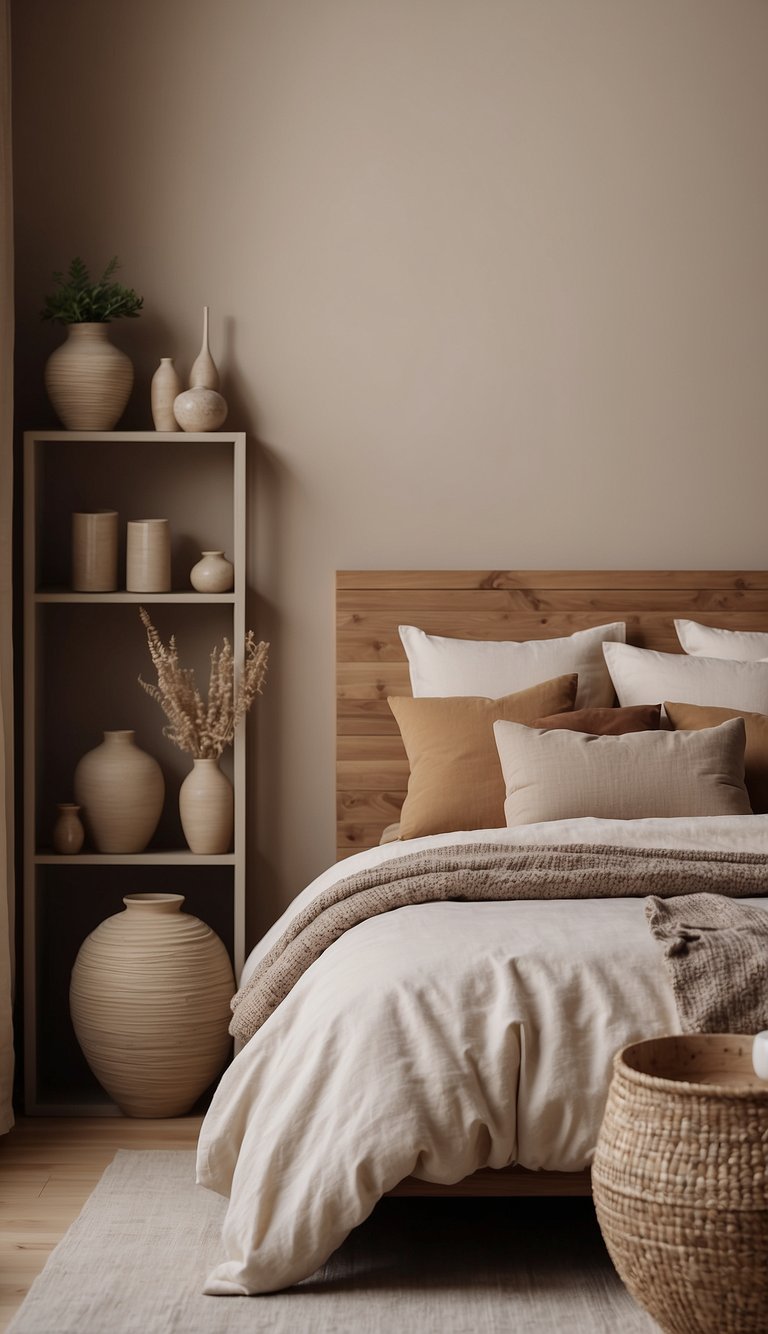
x: 456, y: 780
x: 692, y: 717
x: 606, y: 722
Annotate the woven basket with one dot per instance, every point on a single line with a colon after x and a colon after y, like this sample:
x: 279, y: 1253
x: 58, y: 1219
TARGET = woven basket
x: 680, y: 1182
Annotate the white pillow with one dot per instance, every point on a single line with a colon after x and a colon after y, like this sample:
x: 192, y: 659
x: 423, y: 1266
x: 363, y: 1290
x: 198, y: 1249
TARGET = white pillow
x: 494, y: 668
x: 643, y: 676
x: 559, y: 775
x: 706, y: 641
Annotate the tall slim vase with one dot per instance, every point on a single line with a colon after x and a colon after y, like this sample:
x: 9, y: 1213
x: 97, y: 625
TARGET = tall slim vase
x: 204, y: 374
x: 149, y: 1000
x: 165, y: 387
x: 207, y: 807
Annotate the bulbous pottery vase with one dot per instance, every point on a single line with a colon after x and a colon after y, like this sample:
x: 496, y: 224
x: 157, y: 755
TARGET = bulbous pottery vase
x: 149, y: 999
x: 200, y: 410
x: 121, y: 790
x: 88, y: 379
x: 213, y: 574
x: 207, y: 808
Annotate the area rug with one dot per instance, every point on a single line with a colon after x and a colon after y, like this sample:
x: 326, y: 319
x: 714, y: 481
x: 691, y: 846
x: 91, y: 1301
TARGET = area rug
x: 135, y: 1260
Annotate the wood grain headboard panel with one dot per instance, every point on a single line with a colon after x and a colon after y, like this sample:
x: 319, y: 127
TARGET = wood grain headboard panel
x: 371, y: 766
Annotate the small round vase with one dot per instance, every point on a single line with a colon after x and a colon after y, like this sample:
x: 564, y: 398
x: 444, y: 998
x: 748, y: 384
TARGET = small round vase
x: 213, y: 574
x: 68, y: 832
x: 165, y: 387
x: 207, y: 808
x: 200, y: 410
x: 149, y: 999
x: 88, y: 379
x: 121, y: 791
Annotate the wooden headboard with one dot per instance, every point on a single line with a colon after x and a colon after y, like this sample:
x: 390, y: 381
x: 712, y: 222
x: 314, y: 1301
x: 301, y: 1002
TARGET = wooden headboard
x: 371, y: 766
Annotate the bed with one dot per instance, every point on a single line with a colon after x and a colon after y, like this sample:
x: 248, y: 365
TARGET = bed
x: 465, y: 1046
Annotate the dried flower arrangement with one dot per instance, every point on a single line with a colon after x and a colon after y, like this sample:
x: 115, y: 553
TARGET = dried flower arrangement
x: 203, y: 728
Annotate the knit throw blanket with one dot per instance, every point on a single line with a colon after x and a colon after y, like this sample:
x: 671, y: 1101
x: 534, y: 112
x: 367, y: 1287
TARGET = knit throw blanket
x: 717, y: 958
x: 483, y: 871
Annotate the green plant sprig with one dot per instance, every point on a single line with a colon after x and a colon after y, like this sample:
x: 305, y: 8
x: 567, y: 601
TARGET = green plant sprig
x: 79, y: 300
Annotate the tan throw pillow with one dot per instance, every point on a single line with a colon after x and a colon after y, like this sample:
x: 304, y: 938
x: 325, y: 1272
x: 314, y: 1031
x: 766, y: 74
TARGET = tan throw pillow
x: 605, y: 722
x: 559, y: 775
x: 455, y: 780
x: 692, y: 717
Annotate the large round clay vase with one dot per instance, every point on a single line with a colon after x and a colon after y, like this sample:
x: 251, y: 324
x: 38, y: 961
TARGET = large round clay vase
x: 149, y: 1000
x: 206, y: 807
x: 121, y: 790
x: 88, y: 379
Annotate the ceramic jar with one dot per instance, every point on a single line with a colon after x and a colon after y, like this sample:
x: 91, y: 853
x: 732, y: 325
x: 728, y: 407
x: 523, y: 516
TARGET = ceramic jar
x: 121, y: 790
x: 213, y: 574
x: 94, y: 551
x: 148, y: 556
x: 68, y: 833
x: 88, y: 379
x: 149, y: 999
x: 207, y: 808
x: 165, y: 387
x: 200, y: 410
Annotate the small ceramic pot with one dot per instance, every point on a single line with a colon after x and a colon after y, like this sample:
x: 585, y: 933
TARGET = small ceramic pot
x: 213, y: 574
x: 200, y: 410
x: 68, y: 832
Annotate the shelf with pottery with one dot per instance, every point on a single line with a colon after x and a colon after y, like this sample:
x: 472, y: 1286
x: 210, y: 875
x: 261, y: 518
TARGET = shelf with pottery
x: 84, y: 651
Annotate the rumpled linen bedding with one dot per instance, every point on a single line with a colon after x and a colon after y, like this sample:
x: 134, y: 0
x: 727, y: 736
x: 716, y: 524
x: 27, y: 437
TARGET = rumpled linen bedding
x: 432, y: 1041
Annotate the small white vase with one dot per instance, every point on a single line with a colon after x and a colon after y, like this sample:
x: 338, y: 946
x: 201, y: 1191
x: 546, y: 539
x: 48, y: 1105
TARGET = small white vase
x: 207, y: 808
x: 213, y: 574
x: 68, y: 832
x: 149, y: 1000
x: 200, y: 410
x: 121, y: 791
x: 88, y: 379
x: 204, y: 374
x: 165, y: 387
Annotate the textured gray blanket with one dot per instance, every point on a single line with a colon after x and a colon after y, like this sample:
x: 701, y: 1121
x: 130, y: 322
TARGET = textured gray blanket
x: 483, y: 871
x: 717, y: 957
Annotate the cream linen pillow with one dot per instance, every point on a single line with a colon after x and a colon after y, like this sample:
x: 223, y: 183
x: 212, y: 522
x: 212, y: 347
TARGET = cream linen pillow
x: 492, y: 668
x: 559, y: 775
x: 643, y: 676
x: 706, y: 641
x: 455, y: 780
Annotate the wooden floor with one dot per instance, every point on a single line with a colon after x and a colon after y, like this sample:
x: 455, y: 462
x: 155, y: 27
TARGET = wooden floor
x: 48, y: 1168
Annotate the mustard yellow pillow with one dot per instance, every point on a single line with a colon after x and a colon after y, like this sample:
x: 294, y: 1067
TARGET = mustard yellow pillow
x: 692, y: 717
x: 456, y: 780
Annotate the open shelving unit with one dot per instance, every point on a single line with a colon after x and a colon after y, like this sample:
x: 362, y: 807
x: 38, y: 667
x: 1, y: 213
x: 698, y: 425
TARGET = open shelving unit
x: 83, y: 653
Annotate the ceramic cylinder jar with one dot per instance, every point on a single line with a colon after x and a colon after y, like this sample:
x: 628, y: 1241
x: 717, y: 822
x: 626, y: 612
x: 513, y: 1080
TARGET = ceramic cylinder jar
x: 149, y: 999
x: 206, y: 807
x: 213, y: 574
x: 94, y: 551
x: 88, y: 379
x: 68, y: 833
x: 148, y: 556
x: 165, y: 387
x: 121, y: 790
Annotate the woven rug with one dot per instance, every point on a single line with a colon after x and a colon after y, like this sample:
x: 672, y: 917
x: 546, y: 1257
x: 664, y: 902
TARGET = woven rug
x: 135, y: 1260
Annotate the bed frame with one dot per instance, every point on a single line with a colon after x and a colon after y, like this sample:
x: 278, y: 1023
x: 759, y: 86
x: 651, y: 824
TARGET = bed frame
x: 371, y: 766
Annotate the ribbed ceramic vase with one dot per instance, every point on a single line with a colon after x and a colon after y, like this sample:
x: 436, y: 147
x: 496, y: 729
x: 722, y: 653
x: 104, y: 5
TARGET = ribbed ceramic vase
x: 121, y: 790
x: 149, y: 999
x: 88, y: 379
x: 165, y: 387
x: 207, y: 808
x: 68, y: 834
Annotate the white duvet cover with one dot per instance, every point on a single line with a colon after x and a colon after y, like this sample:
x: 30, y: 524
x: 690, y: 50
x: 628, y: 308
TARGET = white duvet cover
x: 432, y: 1041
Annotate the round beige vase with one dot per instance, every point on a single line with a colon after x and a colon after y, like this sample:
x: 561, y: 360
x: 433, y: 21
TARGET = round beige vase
x: 200, y: 409
x: 213, y: 574
x: 88, y: 379
x: 149, y: 1000
x: 68, y: 834
x: 121, y: 790
x: 207, y: 808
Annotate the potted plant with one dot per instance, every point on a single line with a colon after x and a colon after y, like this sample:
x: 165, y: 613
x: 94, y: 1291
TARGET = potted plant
x: 88, y: 379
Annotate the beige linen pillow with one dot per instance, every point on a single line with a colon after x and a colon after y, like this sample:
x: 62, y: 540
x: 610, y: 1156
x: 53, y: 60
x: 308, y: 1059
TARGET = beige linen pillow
x: 709, y: 641
x: 642, y: 676
x: 559, y: 775
x: 692, y: 717
x: 455, y: 780
x: 492, y: 668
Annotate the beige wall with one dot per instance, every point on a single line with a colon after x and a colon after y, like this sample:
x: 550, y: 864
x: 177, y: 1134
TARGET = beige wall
x: 489, y: 283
